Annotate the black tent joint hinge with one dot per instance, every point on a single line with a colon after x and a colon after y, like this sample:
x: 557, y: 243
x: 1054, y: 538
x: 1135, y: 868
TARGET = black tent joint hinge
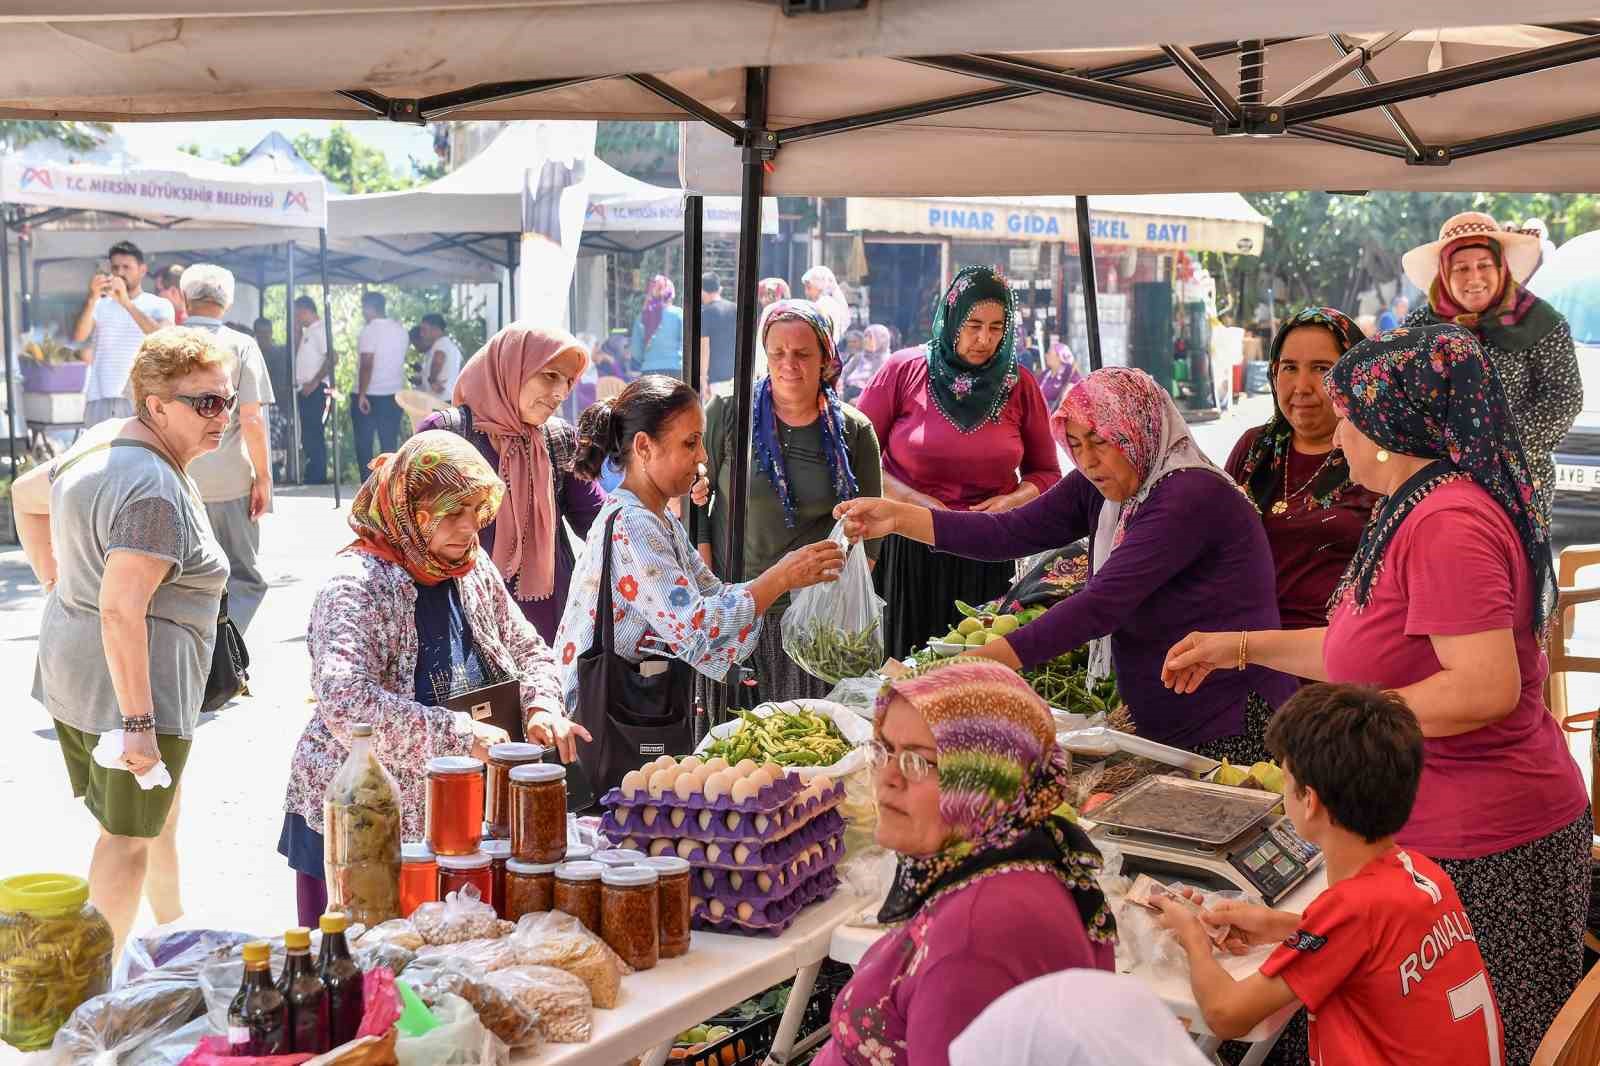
x: 1433, y: 155
x: 1256, y: 120
x: 792, y: 8
x: 760, y: 145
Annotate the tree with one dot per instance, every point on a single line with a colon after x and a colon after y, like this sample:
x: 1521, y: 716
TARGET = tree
x: 350, y: 164
x: 78, y: 136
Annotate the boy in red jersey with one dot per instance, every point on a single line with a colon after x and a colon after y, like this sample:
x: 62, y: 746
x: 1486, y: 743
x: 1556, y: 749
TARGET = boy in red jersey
x: 1385, y: 959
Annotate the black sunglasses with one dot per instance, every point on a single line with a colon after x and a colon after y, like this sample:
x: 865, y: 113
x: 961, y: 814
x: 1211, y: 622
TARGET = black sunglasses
x: 209, y: 405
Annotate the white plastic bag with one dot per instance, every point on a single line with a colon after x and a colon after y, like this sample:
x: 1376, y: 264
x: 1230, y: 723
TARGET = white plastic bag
x: 835, y: 630
x: 461, y: 1040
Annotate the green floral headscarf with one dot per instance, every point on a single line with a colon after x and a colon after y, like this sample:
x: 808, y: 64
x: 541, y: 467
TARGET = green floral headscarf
x: 970, y: 396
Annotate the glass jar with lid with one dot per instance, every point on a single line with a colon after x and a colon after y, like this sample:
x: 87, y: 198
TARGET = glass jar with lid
x: 530, y: 888
x: 577, y: 892
x: 672, y: 891
x: 630, y: 914
x: 458, y: 871
x: 499, y: 852
x: 455, y: 805
x: 617, y: 857
x: 419, y: 877
x: 503, y: 758
x: 55, y: 953
x: 539, y: 812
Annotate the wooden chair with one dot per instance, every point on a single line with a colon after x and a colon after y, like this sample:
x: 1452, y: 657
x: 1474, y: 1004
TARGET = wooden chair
x: 1574, y: 1037
x: 1564, y: 660
x: 610, y: 388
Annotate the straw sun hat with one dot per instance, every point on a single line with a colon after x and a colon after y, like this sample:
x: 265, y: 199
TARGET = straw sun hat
x: 419, y: 404
x: 1519, y: 251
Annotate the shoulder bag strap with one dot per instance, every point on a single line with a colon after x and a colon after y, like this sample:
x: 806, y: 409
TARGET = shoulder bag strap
x: 604, y: 627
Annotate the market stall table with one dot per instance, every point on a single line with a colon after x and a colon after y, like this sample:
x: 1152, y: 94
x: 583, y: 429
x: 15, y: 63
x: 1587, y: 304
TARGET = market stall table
x: 850, y: 942
x: 719, y: 972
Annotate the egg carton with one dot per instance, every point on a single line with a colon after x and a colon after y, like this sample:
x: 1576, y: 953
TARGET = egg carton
x: 732, y: 826
x: 741, y: 856
x: 763, y: 886
x: 765, y: 801
x: 772, y: 919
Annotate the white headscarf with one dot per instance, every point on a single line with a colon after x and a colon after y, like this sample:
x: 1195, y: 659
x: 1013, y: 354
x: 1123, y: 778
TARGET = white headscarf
x: 830, y: 300
x: 1076, y: 1018
x: 1136, y: 416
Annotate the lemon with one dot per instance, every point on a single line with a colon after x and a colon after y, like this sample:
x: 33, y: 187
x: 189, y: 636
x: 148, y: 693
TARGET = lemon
x: 969, y: 626
x: 1006, y: 623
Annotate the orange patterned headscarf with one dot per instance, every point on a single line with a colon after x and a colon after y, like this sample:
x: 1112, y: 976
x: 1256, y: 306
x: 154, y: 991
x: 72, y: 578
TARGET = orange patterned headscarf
x: 433, y: 476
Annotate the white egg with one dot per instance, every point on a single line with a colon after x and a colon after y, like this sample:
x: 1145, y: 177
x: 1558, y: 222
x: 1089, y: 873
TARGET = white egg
x: 732, y: 820
x: 764, y: 882
x: 660, y: 847
x: 692, y: 762
x: 716, y: 764
x: 708, y: 879
x: 661, y: 782
x: 741, y: 853
x: 773, y: 771
x: 686, y: 848
x: 716, y: 786
x: 696, y: 903
x: 762, y: 821
x: 746, y: 912
x: 745, y: 768
x: 718, y: 908
x: 649, y: 815
x: 744, y: 790
x: 736, y: 881
x: 704, y: 818
x: 666, y: 762
x: 713, y: 852
x: 687, y: 784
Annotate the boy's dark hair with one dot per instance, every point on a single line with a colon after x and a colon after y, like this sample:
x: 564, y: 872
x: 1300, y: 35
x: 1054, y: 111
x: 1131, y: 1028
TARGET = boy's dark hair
x: 126, y: 248
x: 376, y: 300
x: 436, y: 321
x: 306, y: 303
x: 709, y: 282
x: 1359, y: 747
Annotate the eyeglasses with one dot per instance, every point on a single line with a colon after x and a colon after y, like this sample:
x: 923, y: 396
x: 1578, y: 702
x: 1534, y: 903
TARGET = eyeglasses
x: 209, y: 405
x: 913, y: 767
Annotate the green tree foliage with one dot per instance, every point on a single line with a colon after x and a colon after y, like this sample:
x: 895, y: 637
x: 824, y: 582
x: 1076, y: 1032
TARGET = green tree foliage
x: 79, y: 136
x: 349, y: 163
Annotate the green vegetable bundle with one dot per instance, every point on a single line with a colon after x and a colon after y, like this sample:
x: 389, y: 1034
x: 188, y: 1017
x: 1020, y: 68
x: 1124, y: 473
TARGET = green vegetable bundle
x: 788, y: 738
x: 833, y: 653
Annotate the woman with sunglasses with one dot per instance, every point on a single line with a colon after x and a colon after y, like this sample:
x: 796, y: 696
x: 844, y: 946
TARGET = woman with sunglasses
x: 118, y: 537
x: 992, y: 888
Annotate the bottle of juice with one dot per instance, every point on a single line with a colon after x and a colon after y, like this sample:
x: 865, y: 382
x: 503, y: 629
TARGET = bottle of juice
x: 341, y: 979
x: 258, y: 1017
x: 361, y: 836
x: 308, y: 1000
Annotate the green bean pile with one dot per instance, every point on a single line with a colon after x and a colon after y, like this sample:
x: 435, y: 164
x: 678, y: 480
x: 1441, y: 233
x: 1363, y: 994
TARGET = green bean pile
x: 788, y: 738
x: 825, y: 651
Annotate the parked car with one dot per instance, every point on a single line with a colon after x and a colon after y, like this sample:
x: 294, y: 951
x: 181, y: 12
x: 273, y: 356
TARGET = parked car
x: 1570, y: 281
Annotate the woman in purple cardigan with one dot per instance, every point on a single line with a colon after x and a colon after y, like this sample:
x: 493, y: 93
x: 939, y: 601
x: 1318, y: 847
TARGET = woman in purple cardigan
x: 1172, y: 542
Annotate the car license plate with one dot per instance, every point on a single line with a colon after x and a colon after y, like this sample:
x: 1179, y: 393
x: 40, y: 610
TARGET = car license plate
x: 1577, y: 478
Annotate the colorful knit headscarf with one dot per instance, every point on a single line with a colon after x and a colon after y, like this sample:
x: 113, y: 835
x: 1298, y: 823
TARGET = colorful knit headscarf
x: 409, y: 492
x: 771, y: 290
x: 1001, y: 777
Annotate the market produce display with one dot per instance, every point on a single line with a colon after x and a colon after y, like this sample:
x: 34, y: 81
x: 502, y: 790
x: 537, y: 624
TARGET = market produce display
x: 1266, y: 776
x: 834, y: 630
x: 832, y: 652
x: 788, y: 738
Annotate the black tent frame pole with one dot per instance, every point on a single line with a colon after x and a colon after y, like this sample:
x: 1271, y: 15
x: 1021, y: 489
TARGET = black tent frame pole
x: 24, y: 254
x: 513, y: 254
x: 332, y: 418
x: 1091, y: 298
x: 693, y: 265
x: 754, y: 187
x: 296, y: 474
x: 5, y: 328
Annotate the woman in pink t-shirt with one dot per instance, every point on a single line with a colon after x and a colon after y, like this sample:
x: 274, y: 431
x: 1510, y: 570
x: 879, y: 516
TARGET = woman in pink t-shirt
x: 1445, y: 602
x: 961, y: 429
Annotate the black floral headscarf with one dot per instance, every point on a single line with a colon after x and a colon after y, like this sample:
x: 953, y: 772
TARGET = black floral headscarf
x: 971, y: 396
x: 1430, y: 392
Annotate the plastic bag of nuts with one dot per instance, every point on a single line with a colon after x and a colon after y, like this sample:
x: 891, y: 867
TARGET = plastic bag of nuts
x: 559, y: 1000
x: 500, y: 1012
x: 459, y: 916
x: 560, y: 940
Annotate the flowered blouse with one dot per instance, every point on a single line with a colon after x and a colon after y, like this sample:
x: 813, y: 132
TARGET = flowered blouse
x: 662, y: 594
x: 363, y: 643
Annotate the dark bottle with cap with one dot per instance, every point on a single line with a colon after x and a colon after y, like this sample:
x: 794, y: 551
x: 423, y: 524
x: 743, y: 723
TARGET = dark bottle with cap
x: 258, y: 1017
x: 342, y: 979
x: 308, y: 1000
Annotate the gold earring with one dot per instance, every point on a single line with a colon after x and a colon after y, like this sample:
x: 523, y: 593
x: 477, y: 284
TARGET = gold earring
x: 1383, y: 455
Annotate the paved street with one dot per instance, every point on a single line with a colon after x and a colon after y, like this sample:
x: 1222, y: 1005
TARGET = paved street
x: 233, y: 788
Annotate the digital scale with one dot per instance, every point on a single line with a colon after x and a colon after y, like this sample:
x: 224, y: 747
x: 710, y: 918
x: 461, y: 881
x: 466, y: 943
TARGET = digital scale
x: 1211, y: 836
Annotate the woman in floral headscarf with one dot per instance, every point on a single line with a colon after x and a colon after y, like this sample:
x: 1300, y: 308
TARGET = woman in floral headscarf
x: 957, y: 422
x: 1060, y: 374
x: 417, y: 614
x: 658, y: 331
x: 1300, y: 482
x: 1445, y: 603
x: 1172, y: 543
x: 808, y: 451
x: 993, y: 889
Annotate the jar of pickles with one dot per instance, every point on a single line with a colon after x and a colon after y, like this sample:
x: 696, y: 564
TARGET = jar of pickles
x: 458, y: 871
x: 672, y: 892
x: 499, y: 851
x: 577, y: 892
x: 419, y: 877
x: 530, y: 888
x: 503, y: 758
x: 455, y: 805
x: 539, y: 812
x: 630, y: 914
x: 55, y: 952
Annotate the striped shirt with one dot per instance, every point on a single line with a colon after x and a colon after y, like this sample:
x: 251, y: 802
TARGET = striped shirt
x: 116, y: 341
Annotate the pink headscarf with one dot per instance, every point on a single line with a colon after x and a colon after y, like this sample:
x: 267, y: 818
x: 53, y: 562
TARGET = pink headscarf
x: 491, y: 385
x: 660, y: 293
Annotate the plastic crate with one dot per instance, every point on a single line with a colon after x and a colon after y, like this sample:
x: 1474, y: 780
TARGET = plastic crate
x: 819, y: 1009
x: 747, y: 1046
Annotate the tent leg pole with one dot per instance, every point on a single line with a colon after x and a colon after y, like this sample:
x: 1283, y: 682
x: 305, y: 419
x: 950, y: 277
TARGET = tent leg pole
x: 513, y: 254
x: 296, y: 474
x: 693, y: 265
x: 327, y: 327
x: 500, y: 300
x: 5, y: 330
x: 24, y: 253
x: 1091, y: 299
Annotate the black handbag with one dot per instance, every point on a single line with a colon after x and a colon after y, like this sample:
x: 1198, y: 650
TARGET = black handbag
x: 634, y: 712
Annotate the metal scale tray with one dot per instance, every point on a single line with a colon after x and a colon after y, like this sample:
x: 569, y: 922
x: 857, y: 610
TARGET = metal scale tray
x: 1177, y: 808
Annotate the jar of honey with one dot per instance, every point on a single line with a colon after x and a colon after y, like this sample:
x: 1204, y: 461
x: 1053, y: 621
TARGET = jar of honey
x: 530, y: 888
x: 539, y: 812
x: 419, y: 877
x: 458, y: 871
x: 577, y: 892
x: 503, y: 758
x: 672, y: 891
x: 630, y: 914
x: 455, y: 805
x: 499, y: 851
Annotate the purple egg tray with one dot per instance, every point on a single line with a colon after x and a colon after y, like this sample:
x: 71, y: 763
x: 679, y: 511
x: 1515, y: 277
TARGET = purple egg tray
x: 739, y: 886
x: 766, y: 801
x: 828, y: 826
x: 707, y: 824
x: 773, y: 918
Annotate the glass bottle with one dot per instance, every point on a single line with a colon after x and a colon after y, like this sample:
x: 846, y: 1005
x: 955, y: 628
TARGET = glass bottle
x: 302, y: 988
x: 361, y: 836
x: 342, y: 979
x: 258, y: 1017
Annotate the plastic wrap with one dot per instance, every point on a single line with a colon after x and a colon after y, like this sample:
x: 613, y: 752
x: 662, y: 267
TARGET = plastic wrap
x: 491, y: 955
x: 559, y: 999
x: 460, y: 1039
x: 111, y: 1028
x: 501, y: 1014
x: 835, y: 630
x: 169, y: 952
x: 398, y: 931
x: 459, y: 916
x: 560, y: 941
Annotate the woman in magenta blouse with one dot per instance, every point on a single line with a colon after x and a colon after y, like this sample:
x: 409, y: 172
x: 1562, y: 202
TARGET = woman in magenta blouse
x: 992, y: 889
x: 1445, y: 602
x: 962, y: 429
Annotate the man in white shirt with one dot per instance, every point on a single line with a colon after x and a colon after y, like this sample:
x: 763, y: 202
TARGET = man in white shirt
x: 443, y: 360
x: 118, y: 312
x: 382, y: 373
x: 235, y: 480
x: 313, y: 372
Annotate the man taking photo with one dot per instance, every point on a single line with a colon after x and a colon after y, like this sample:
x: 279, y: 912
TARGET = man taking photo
x: 118, y: 313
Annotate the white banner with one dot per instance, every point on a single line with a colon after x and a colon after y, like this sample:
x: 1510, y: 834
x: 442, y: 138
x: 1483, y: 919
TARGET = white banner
x: 555, y: 199
x: 664, y: 214
x: 261, y: 201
